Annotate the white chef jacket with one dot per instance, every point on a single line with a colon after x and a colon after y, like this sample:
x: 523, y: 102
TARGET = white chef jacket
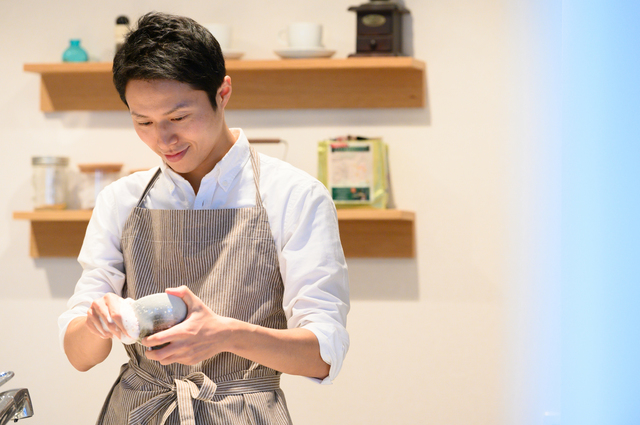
x: 302, y: 218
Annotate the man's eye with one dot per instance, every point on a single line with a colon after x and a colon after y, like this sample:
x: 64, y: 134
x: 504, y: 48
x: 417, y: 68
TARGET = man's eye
x: 179, y: 118
x: 144, y: 124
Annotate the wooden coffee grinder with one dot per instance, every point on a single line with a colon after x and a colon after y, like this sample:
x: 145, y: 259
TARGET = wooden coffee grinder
x: 379, y: 28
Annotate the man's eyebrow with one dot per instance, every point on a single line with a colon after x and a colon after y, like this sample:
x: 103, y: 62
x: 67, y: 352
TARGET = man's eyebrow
x: 169, y: 112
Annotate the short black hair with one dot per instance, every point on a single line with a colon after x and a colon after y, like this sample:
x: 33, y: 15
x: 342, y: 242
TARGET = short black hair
x: 169, y: 47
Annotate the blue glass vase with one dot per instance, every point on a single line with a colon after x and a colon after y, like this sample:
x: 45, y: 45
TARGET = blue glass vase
x: 75, y: 53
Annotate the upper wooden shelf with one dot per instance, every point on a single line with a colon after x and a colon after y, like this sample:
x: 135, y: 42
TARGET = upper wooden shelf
x: 366, y: 233
x: 362, y: 82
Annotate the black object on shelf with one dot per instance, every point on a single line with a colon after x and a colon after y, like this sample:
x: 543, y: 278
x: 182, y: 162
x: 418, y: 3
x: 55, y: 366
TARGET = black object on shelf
x: 379, y: 28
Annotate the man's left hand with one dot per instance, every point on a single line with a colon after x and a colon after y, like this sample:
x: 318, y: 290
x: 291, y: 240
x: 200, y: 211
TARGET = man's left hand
x: 201, y: 335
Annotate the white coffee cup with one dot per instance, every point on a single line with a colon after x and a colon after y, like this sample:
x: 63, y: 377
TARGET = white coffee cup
x: 302, y: 35
x: 222, y: 33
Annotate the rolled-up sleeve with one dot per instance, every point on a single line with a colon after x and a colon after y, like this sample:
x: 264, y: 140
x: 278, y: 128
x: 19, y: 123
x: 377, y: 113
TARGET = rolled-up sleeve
x: 101, y: 260
x: 314, y: 270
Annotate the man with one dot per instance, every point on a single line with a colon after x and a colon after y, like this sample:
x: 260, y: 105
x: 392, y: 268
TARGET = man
x: 248, y: 242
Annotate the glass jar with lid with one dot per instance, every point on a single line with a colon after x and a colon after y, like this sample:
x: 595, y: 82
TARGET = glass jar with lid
x: 49, y: 182
x: 94, y: 178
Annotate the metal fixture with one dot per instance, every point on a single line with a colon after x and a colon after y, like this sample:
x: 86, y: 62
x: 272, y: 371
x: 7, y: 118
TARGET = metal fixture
x: 14, y: 404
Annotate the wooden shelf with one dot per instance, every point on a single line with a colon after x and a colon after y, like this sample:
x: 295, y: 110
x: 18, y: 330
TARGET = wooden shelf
x: 366, y: 233
x: 56, y: 233
x: 373, y: 233
x: 363, y: 82
x: 54, y: 215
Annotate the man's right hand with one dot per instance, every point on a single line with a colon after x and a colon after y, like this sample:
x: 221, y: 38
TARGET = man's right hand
x: 104, y: 319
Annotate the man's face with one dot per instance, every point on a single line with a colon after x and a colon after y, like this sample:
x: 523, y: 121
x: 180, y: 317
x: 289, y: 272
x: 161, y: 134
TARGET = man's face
x: 178, y: 123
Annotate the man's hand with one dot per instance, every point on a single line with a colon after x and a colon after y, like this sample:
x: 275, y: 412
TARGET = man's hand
x: 87, y: 342
x: 201, y: 335
x: 104, y: 319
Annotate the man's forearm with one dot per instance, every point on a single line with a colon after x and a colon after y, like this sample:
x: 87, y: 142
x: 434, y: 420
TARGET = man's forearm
x: 84, y: 349
x: 292, y: 351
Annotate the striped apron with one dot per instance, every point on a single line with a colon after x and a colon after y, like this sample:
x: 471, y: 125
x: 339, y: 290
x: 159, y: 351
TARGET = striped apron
x: 228, y: 258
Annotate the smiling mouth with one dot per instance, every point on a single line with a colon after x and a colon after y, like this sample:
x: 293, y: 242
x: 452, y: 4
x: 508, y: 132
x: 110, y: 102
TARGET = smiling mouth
x: 176, y: 156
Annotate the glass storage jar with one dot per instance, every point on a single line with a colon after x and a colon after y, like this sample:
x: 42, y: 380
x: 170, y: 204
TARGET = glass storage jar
x: 94, y: 178
x: 49, y: 182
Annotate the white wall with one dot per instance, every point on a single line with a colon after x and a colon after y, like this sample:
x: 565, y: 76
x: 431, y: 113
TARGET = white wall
x: 435, y: 339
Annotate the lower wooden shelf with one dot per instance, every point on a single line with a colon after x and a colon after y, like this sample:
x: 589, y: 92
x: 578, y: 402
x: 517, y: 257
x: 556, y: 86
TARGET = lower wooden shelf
x: 56, y: 233
x: 372, y: 233
x: 365, y: 233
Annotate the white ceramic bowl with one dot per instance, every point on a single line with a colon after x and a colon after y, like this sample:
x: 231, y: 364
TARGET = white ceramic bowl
x: 151, y: 314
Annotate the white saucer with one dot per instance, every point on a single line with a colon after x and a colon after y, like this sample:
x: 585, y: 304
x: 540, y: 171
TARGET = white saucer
x: 299, y: 53
x: 232, y: 54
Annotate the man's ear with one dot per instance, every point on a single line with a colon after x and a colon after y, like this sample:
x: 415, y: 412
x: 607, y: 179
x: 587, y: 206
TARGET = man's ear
x: 224, y: 92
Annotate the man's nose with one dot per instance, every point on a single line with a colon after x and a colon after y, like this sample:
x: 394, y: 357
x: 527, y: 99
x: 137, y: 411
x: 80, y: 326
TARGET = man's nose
x: 165, y: 134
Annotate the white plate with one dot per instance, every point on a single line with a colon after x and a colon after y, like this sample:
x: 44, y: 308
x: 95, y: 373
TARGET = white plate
x: 318, y: 52
x: 232, y: 54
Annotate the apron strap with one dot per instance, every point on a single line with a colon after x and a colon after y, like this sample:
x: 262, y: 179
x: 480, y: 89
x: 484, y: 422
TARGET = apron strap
x: 255, y: 163
x: 196, y: 386
x: 148, y: 188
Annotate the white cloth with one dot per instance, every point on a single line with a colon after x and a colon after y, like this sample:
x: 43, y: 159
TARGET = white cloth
x: 303, y: 221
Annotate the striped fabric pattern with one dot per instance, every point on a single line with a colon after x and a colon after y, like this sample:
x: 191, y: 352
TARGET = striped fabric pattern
x: 227, y: 258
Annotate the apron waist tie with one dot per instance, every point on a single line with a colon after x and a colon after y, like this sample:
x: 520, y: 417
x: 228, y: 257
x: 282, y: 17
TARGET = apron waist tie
x: 196, y: 386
